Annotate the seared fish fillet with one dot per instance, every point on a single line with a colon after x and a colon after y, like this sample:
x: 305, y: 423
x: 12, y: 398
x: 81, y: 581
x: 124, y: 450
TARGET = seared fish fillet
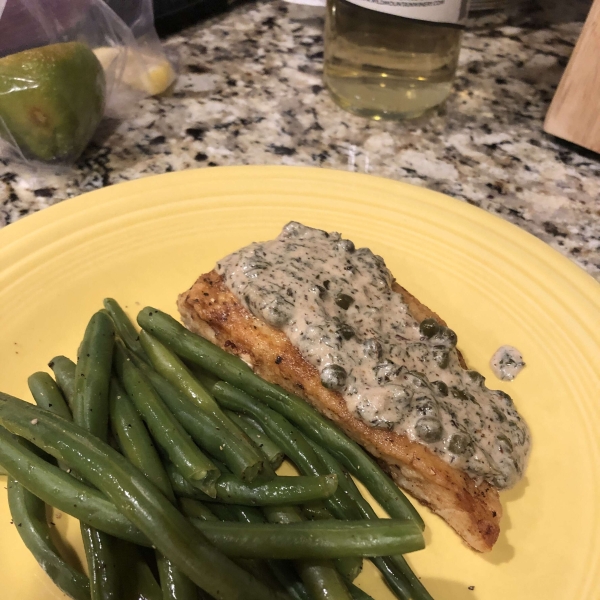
x: 472, y: 510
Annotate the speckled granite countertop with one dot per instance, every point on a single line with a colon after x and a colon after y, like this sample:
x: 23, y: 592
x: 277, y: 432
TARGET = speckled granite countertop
x: 250, y: 91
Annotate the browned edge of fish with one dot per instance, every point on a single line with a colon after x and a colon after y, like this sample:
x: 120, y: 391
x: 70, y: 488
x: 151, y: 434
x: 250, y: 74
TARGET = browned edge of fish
x: 473, y: 511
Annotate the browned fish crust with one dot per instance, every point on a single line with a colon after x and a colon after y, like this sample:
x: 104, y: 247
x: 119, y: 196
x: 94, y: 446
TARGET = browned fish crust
x: 473, y: 511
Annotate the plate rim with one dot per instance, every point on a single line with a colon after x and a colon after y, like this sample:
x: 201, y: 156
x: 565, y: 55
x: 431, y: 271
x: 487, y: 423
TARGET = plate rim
x: 69, y: 207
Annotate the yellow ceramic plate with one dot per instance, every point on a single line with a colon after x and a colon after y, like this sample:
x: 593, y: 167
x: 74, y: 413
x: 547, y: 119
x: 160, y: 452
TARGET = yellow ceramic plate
x: 145, y: 241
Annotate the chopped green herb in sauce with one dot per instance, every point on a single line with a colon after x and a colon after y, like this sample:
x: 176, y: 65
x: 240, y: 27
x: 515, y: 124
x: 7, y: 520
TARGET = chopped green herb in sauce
x: 336, y: 305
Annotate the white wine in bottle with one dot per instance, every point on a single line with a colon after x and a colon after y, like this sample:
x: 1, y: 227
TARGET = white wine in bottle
x: 392, y: 59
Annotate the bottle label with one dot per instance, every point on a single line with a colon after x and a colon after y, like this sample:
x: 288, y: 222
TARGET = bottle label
x: 439, y: 11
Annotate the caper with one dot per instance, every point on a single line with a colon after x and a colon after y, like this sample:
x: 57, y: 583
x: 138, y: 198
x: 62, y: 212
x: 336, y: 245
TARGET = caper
x: 320, y: 290
x: 398, y: 393
x: 378, y: 260
x: 275, y: 311
x: 429, y: 429
x: 429, y: 327
x: 417, y: 352
x: 346, y: 331
x: 276, y: 315
x: 344, y: 301
x: 504, y: 443
x: 440, y: 387
x: 462, y: 394
x: 501, y: 416
x: 386, y: 371
x: 334, y: 377
x: 415, y: 379
x: 476, y: 377
x: 425, y: 405
x: 372, y: 348
x: 441, y: 356
x: 382, y: 282
x: 346, y: 246
x: 458, y: 443
x: 446, y: 337
x: 292, y: 228
x: 507, y: 399
x: 252, y: 268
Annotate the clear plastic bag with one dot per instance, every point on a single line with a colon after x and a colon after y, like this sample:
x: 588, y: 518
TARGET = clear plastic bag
x: 65, y: 64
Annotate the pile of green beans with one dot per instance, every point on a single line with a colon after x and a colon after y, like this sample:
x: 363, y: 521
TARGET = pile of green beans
x: 171, y: 471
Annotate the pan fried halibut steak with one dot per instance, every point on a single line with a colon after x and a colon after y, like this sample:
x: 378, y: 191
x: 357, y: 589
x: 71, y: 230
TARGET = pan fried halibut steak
x: 467, y: 501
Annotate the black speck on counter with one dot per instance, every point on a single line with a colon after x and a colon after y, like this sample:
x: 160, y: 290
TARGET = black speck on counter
x: 282, y: 150
x: 44, y: 192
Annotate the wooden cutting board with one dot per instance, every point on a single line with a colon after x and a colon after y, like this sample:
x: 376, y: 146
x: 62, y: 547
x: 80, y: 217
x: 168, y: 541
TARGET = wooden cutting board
x: 574, y: 114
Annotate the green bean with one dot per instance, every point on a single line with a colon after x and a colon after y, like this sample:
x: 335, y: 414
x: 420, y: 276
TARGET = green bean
x: 136, y: 498
x: 394, y: 579
x: 164, y: 427
x: 47, y: 395
x: 348, y: 567
x: 66, y: 493
x: 90, y: 411
x: 282, y: 570
x: 347, y: 486
x: 277, y: 492
x: 300, y: 452
x: 92, y: 376
x: 322, y: 580
x: 394, y: 569
x: 197, y: 510
x: 64, y: 372
x: 137, y: 446
x: 102, y: 566
x: 223, y: 512
x: 124, y: 327
x: 316, y: 511
x: 175, y: 585
x: 285, y: 573
x: 320, y: 577
x: 314, y: 539
x: 134, y: 440
x: 357, y: 593
x: 226, y: 513
x: 28, y: 513
x: 253, y: 430
x: 137, y: 580
x: 279, y: 429
x: 207, y: 431
x: 173, y: 370
x: 313, y: 574
x: 196, y: 349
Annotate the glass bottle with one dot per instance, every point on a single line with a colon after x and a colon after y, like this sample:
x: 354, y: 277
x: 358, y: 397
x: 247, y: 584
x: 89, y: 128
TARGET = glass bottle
x: 392, y: 59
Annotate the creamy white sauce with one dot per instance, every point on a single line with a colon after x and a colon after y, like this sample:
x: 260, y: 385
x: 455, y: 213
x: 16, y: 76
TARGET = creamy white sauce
x: 336, y: 305
x: 507, y: 363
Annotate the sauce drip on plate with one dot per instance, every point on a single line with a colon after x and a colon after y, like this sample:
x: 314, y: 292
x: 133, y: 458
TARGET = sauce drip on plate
x: 507, y: 363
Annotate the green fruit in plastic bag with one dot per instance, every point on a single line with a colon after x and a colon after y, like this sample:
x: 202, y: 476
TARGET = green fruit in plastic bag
x: 51, y: 100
